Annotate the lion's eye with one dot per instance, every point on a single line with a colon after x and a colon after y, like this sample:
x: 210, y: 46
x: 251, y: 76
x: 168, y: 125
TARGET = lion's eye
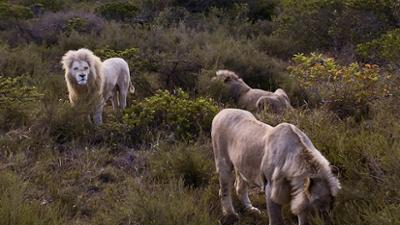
x: 85, y: 67
x: 75, y: 68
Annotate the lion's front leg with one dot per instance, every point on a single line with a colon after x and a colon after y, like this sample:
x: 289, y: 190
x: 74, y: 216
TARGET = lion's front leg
x: 243, y: 194
x: 97, y: 115
x: 302, y: 218
x: 274, y: 209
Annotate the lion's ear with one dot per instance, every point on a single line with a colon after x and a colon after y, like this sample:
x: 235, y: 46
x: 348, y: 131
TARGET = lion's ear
x: 307, y: 187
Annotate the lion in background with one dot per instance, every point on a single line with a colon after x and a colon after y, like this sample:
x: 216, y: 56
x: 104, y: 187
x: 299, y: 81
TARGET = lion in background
x: 92, y: 82
x: 281, y: 160
x: 254, y: 100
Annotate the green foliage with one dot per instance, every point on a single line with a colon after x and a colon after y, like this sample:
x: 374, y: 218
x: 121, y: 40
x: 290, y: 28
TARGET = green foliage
x: 52, y: 5
x: 75, y: 23
x: 109, y: 53
x: 17, y: 99
x: 385, y: 49
x: 346, y: 90
x: 256, y: 9
x: 12, y: 11
x: 120, y: 11
x: 172, y: 112
x: 188, y: 163
x: 16, y: 90
x: 332, y: 24
x: 23, y: 60
x: 306, y: 23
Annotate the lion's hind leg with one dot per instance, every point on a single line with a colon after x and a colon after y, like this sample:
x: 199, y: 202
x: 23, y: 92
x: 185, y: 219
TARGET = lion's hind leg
x: 243, y: 193
x: 114, y: 101
x: 122, y: 99
x: 225, y: 191
x: 123, y: 87
x: 274, y: 209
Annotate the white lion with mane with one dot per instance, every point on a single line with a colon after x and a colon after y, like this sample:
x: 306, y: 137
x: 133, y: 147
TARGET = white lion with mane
x: 281, y: 160
x: 90, y: 81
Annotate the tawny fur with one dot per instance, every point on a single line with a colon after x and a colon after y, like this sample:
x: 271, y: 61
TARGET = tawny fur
x: 108, y: 80
x: 254, y: 100
x: 94, y: 87
x: 278, y: 159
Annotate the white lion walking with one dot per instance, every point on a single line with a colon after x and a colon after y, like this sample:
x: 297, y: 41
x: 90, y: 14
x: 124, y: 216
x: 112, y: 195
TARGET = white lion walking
x: 254, y: 100
x: 281, y: 160
x: 90, y: 81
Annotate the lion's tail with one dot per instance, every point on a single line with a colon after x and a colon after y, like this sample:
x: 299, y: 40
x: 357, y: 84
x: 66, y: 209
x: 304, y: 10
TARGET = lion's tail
x: 131, y: 88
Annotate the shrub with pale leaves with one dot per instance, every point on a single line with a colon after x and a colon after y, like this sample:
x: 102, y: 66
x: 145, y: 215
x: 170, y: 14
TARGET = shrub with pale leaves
x: 345, y: 89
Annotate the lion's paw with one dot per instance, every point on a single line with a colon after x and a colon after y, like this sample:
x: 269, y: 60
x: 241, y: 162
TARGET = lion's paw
x: 254, y: 210
x: 229, y: 219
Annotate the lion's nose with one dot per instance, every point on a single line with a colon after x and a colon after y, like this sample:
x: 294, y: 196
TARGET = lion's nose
x: 82, y: 75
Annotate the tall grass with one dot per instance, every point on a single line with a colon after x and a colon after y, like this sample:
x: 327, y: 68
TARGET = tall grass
x: 17, y: 209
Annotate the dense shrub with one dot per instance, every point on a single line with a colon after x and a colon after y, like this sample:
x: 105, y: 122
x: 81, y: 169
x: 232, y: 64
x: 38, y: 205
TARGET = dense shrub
x: 385, y: 49
x: 50, y: 26
x: 11, y: 11
x: 172, y: 112
x: 13, y: 26
x: 256, y: 9
x: 333, y: 25
x: 174, y: 57
x: 347, y: 90
x: 17, y: 102
x: 23, y: 60
x: 52, y: 5
x: 120, y: 11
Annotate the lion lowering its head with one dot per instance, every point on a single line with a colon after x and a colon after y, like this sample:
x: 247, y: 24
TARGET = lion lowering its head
x: 282, y: 160
x: 252, y: 99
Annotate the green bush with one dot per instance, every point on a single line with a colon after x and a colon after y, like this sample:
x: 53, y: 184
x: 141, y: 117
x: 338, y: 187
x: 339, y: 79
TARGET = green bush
x: 385, y: 49
x: 120, y: 11
x: 17, y: 102
x: 187, y: 118
x: 52, y: 5
x: 74, y: 23
x: 347, y: 90
x: 11, y: 11
x: 22, y: 60
x: 50, y: 27
x: 318, y: 25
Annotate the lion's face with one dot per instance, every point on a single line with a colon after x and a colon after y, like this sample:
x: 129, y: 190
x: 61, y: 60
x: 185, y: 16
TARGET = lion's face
x: 80, y: 70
